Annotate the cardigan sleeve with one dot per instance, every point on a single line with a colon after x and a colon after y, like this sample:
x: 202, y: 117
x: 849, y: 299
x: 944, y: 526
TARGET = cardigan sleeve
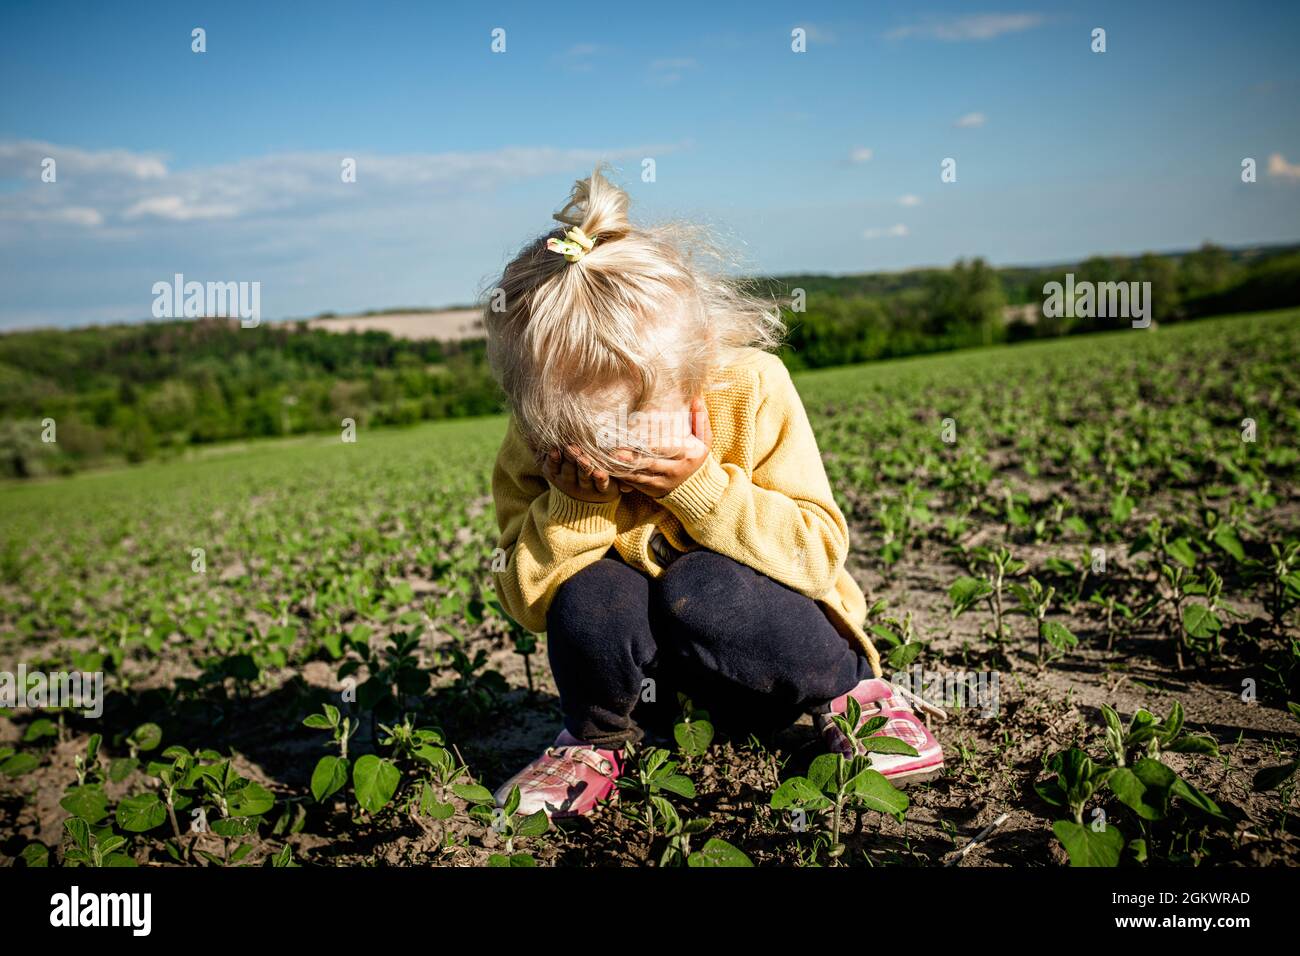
x: 783, y: 521
x: 547, y: 535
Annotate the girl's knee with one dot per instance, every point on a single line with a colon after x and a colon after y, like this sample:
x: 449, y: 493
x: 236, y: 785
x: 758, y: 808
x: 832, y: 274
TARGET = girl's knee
x: 702, y: 572
x: 706, y: 592
x: 600, y: 596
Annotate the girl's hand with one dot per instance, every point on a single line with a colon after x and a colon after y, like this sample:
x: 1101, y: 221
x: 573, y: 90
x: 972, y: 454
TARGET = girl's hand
x: 573, y: 473
x: 659, y: 476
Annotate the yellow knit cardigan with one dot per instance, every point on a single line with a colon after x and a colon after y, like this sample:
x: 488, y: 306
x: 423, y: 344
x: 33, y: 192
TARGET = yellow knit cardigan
x: 761, y: 498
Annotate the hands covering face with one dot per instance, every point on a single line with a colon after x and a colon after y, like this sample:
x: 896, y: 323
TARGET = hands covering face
x: 574, y: 474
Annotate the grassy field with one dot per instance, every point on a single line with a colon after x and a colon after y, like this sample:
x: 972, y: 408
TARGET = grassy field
x: 1106, y: 525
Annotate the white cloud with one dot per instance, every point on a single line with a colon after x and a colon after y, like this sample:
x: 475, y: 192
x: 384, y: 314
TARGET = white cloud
x: 896, y: 231
x: 23, y: 159
x: 80, y: 216
x: 984, y: 26
x: 909, y: 200
x: 862, y: 154
x: 971, y: 121
x: 178, y: 210
x: 61, y: 215
x: 133, y: 193
x: 1278, y: 166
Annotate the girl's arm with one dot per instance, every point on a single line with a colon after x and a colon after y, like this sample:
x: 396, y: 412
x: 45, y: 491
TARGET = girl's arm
x: 547, y: 535
x: 784, y: 521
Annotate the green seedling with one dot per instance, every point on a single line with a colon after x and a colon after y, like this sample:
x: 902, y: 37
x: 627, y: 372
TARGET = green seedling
x: 649, y: 775
x: 143, y: 739
x: 331, y: 771
x: 716, y: 852
x: 693, y: 731
x: 837, y: 783
x: 476, y: 692
x: 1111, y: 606
x: 895, y: 634
x: 395, y: 676
x: 967, y: 591
x: 1077, y: 780
x: 1034, y: 601
x: 1280, y: 577
x: 525, y: 642
x: 509, y: 825
x: 899, y: 518
x: 1148, y: 736
x: 96, y: 848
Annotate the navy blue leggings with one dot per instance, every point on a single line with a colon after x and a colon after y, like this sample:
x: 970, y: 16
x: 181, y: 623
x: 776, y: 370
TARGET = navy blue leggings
x: 753, y: 652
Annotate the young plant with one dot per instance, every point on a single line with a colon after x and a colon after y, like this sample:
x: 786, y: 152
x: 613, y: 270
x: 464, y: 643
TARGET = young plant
x: 510, y: 825
x: 1076, y: 782
x: 1110, y: 606
x: 693, y: 731
x: 650, y: 774
x: 525, y: 642
x: 967, y: 591
x: 716, y: 852
x: 1280, y: 576
x: 97, y: 848
x: 1034, y: 601
x: 476, y: 692
x: 1138, y: 779
x: 331, y: 772
x: 395, y: 676
x: 1148, y: 736
x: 899, y: 518
x: 143, y: 739
x: 895, y: 634
x: 838, y: 783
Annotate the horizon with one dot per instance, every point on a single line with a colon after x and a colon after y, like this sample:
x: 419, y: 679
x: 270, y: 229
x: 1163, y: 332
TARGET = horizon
x: 378, y: 311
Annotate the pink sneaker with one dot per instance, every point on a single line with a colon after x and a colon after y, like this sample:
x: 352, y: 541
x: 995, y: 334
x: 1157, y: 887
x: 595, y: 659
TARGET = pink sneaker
x: 879, y: 698
x: 568, y: 779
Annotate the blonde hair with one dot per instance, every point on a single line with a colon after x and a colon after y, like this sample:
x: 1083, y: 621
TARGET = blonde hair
x: 645, y: 314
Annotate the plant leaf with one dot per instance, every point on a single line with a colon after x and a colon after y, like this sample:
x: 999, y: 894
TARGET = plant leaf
x: 142, y: 812
x: 1088, y: 847
x: 718, y: 853
x: 328, y: 778
x: 375, y: 781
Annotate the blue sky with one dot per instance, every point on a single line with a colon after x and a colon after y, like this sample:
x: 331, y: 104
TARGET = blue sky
x: 225, y: 165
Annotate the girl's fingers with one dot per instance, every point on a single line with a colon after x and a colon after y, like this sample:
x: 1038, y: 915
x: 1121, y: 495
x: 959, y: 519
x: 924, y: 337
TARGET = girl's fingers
x: 701, y: 428
x: 568, y: 473
x: 584, y: 463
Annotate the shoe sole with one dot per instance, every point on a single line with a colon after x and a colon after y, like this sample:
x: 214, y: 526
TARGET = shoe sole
x: 919, y: 775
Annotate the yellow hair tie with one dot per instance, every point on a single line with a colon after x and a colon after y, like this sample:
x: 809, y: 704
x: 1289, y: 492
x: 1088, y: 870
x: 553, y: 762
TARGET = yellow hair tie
x: 573, y: 246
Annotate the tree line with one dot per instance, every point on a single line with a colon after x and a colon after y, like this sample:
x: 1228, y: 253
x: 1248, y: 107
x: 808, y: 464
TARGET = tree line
x: 138, y: 391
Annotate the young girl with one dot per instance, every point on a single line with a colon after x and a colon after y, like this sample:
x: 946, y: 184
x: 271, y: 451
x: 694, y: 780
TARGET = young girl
x: 663, y: 505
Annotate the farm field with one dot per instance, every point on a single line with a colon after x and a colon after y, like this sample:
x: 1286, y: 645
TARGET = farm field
x: 445, y: 325
x: 1103, y: 529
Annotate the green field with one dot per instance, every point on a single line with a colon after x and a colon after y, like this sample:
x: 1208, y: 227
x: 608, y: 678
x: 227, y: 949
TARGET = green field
x: 326, y: 563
